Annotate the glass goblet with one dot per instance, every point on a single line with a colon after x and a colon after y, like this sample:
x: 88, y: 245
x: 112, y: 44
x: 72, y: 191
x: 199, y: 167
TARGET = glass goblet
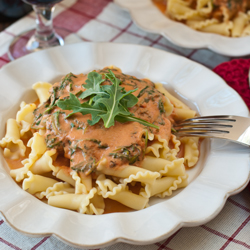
x: 43, y: 36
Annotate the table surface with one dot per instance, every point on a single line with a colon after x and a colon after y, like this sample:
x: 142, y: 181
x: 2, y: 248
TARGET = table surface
x: 231, y: 227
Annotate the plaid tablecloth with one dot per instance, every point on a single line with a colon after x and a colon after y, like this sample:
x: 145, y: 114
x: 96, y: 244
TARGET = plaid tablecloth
x: 102, y: 20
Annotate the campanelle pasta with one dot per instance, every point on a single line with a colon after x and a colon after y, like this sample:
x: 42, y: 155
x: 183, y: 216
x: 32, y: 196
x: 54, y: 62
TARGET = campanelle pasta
x: 224, y: 17
x: 76, y: 161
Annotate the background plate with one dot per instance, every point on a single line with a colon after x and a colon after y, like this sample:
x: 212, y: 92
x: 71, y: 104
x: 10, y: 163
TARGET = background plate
x: 211, y: 181
x: 149, y: 18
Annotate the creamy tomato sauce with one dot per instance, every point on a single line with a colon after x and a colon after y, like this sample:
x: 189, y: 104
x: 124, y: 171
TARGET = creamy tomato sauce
x: 17, y: 163
x: 14, y: 164
x: 84, y: 145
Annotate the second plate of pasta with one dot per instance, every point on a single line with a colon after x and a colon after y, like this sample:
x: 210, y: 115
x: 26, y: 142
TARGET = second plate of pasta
x: 76, y: 174
x: 209, y: 28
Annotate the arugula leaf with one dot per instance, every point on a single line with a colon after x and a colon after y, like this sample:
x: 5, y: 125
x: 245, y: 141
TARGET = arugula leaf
x: 129, y: 101
x: 92, y: 85
x: 112, y: 104
x: 73, y: 103
x: 108, y: 102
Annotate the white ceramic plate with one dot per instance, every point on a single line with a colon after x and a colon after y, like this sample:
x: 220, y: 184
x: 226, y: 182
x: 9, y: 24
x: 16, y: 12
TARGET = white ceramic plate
x: 149, y: 18
x: 218, y: 174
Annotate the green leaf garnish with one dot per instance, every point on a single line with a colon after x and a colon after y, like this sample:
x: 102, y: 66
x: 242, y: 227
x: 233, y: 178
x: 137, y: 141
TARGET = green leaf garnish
x: 92, y: 85
x: 107, y: 102
x: 73, y: 103
x: 116, y: 94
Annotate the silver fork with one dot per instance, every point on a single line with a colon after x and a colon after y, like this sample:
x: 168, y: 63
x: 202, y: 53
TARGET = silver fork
x: 230, y: 127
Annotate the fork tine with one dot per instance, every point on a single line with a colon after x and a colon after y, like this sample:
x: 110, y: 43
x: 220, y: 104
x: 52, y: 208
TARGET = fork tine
x: 230, y: 127
x: 202, y: 124
x: 202, y: 130
x: 209, y: 119
x: 205, y: 126
x: 201, y: 134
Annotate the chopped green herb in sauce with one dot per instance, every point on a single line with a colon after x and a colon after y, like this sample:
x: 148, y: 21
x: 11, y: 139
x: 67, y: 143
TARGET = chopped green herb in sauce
x: 129, y: 153
x: 67, y: 80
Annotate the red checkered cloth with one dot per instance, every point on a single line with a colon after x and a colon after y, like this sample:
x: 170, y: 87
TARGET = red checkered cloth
x: 102, y: 20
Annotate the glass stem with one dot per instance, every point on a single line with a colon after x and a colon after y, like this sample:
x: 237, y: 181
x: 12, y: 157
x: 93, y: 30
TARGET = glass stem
x: 44, y: 22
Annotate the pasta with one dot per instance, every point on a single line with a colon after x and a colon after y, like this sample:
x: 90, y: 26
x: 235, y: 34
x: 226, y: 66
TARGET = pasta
x: 225, y: 17
x: 70, y: 157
